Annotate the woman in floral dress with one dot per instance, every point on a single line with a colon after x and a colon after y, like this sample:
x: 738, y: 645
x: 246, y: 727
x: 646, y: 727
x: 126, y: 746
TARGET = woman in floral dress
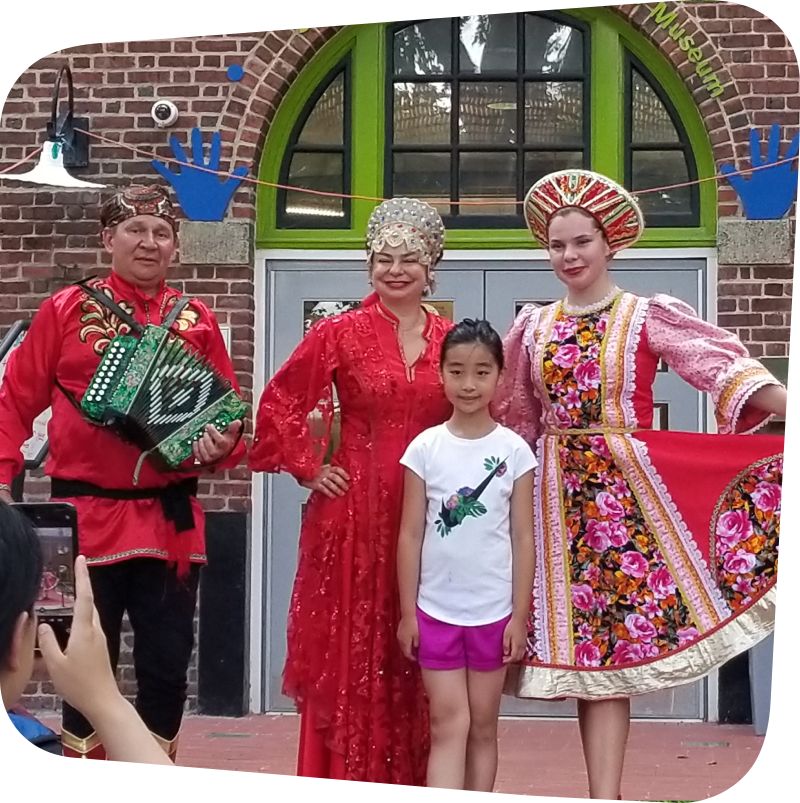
x: 656, y: 551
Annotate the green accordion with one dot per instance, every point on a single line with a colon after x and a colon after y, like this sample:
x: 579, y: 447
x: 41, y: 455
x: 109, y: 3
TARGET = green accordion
x: 158, y: 393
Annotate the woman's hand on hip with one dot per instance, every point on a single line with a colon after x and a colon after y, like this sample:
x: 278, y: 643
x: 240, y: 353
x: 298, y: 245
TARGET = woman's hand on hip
x: 331, y: 481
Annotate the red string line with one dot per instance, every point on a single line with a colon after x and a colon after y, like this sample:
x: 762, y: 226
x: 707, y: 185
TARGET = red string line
x: 22, y: 161
x: 252, y: 180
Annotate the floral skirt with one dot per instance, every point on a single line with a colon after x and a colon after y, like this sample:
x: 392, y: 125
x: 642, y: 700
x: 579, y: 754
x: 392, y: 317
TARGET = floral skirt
x: 656, y: 559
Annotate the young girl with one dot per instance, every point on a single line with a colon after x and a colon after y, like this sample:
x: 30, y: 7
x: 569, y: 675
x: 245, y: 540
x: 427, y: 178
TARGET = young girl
x: 465, y: 560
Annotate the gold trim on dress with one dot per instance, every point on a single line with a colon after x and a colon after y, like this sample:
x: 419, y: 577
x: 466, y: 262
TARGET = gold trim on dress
x: 685, y: 666
x: 130, y: 553
x: 169, y: 746
x: 596, y: 431
x: 78, y: 745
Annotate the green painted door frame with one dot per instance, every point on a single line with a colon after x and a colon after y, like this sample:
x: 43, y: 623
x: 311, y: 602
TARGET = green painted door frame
x: 610, y: 37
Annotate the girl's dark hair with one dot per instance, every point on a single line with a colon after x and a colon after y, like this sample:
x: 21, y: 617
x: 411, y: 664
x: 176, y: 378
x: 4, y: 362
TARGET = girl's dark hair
x: 20, y: 572
x: 472, y: 331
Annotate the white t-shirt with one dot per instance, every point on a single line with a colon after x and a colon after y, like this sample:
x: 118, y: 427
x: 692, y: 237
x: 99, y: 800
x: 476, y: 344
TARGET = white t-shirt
x: 465, y: 573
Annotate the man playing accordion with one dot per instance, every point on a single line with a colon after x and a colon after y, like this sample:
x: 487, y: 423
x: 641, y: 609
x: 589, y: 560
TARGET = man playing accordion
x: 140, y: 525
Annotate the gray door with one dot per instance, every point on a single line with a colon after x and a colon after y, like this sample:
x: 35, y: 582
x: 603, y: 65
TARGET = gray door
x: 679, y: 405
x: 302, y: 291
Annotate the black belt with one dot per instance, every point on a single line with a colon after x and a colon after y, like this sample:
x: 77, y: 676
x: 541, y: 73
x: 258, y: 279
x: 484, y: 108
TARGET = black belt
x: 175, y: 498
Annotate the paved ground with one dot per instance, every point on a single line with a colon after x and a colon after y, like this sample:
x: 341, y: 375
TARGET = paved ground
x: 665, y: 761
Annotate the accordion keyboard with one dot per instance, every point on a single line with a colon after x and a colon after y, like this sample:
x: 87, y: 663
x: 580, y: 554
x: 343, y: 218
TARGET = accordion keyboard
x: 159, y: 393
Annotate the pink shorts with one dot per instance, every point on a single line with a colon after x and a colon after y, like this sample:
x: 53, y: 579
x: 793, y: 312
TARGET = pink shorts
x: 446, y: 646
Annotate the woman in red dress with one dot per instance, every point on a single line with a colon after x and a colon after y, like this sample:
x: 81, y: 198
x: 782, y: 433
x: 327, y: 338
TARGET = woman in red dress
x: 364, y: 714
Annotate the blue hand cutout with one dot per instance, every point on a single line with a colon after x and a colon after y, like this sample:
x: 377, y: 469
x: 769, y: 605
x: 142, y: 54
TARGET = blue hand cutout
x: 202, y: 195
x: 769, y: 193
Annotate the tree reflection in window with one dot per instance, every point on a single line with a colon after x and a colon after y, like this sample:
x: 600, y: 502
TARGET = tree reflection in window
x: 318, y: 158
x: 481, y: 107
x: 658, y: 152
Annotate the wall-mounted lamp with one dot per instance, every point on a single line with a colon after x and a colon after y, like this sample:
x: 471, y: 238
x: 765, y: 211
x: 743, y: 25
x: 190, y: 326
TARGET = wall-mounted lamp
x: 67, y: 145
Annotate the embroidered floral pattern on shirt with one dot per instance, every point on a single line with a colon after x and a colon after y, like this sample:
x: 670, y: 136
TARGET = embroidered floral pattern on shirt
x: 99, y: 325
x: 188, y: 317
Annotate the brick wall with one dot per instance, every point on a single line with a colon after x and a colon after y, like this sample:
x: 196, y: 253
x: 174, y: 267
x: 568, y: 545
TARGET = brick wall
x: 758, y: 69
x: 48, y: 239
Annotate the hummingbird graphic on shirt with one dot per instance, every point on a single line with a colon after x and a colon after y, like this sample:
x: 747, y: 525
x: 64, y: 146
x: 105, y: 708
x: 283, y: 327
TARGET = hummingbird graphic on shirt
x: 464, y: 502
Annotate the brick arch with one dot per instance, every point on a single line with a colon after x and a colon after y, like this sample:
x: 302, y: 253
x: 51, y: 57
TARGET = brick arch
x: 269, y: 70
x: 274, y: 63
x: 728, y: 117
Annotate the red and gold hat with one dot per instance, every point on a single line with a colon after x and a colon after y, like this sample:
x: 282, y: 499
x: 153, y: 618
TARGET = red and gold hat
x: 137, y: 200
x: 613, y: 207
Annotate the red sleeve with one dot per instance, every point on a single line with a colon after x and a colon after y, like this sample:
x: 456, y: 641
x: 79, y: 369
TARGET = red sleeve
x: 26, y: 388
x: 284, y: 439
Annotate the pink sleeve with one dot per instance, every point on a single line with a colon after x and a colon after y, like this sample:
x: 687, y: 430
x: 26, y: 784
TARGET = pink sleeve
x: 710, y: 359
x: 515, y: 404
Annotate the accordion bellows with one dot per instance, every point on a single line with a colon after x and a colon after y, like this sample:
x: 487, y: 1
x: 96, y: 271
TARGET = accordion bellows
x: 157, y: 392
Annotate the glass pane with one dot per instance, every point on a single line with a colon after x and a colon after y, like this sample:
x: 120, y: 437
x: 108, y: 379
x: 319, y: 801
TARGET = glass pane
x: 488, y: 43
x: 487, y: 113
x: 423, y: 49
x: 650, y: 119
x: 540, y: 163
x: 551, y: 47
x: 315, y: 171
x: 325, y: 124
x: 660, y: 169
x: 422, y: 113
x: 314, y: 311
x: 488, y: 177
x: 422, y: 175
x: 554, y: 113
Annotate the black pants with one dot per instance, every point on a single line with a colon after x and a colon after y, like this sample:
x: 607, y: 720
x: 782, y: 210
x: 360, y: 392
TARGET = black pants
x: 160, y: 608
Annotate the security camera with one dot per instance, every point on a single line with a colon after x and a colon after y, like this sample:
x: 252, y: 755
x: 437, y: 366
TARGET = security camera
x: 165, y: 113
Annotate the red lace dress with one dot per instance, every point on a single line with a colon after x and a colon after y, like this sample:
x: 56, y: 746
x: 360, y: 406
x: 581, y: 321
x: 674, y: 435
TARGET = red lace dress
x: 364, y: 714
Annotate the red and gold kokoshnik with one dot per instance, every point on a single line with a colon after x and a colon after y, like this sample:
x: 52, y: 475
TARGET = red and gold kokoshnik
x: 614, y: 208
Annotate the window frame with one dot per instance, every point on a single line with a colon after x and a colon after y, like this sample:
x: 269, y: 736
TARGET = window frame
x: 684, y: 146
x: 520, y: 77
x: 611, y: 36
x: 343, y: 68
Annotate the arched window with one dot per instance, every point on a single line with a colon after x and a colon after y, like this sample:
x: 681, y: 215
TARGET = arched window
x: 318, y: 158
x: 468, y: 112
x: 658, y: 152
